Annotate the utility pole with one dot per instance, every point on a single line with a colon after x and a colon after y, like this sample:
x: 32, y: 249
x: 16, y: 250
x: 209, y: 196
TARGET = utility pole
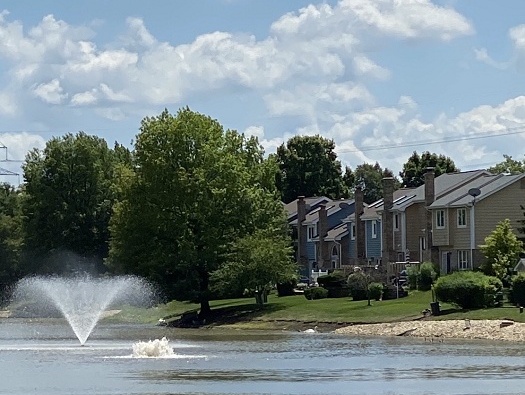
x: 4, y: 159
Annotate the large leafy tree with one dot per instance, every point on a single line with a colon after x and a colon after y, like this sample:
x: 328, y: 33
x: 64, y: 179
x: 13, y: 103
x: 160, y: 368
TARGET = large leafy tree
x: 413, y: 173
x: 370, y: 178
x: 508, y: 165
x: 501, y: 249
x: 67, y: 200
x: 10, y: 235
x: 308, y: 166
x: 197, y: 189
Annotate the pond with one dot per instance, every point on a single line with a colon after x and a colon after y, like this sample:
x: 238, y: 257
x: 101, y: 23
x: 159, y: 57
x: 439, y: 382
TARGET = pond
x: 43, y: 357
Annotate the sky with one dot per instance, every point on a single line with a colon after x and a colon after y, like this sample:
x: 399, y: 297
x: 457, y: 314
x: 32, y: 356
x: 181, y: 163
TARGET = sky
x: 382, y: 78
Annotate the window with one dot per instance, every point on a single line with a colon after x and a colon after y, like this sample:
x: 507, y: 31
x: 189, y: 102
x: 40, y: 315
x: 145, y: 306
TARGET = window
x: 352, y: 231
x: 463, y: 259
x: 374, y: 229
x: 462, y: 218
x: 396, y: 221
x: 440, y: 219
x: 312, y: 231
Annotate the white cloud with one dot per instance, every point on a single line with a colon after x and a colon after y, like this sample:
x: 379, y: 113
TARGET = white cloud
x: 7, y: 104
x: 483, y: 56
x: 84, y: 98
x: 365, y: 66
x: 256, y: 131
x: 50, y: 92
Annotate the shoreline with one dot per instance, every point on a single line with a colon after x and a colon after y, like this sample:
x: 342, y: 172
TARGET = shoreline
x: 498, y: 330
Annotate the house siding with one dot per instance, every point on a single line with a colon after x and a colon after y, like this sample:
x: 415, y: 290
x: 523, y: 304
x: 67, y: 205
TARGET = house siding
x: 310, y: 248
x: 495, y: 208
x: 460, y: 236
x: 441, y: 237
x: 415, y: 228
x: 373, y: 246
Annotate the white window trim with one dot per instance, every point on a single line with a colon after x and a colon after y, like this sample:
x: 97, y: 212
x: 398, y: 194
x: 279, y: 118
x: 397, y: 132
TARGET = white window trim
x: 463, y: 264
x: 438, y: 226
x: 374, y: 229
x: 352, y: 231
x: 310, y: 232
x: 464, y: 211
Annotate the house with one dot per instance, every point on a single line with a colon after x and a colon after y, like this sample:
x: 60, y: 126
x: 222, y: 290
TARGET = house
x: 463, y: 218
x: 412, y: 220
x: 296, y: 212
x: 327, y: 233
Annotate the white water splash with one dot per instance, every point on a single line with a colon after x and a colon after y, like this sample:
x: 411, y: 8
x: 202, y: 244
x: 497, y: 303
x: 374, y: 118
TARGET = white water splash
x: 82, y: 300
x: 157, y: 348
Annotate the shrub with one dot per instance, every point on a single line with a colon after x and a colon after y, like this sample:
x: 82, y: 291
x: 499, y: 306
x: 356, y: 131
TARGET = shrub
x: 412, y: 274
x: 468, y: 289
x: 286, y: 288
x: 517, y: 290
x: 334, y: 279
x: 315, y: 293
x: 426, y: 276
x: 375, y: 290
x: 357, y: 283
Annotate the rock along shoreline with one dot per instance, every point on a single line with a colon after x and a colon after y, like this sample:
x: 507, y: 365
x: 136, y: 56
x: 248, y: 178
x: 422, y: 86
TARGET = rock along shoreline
x: 504, y: 330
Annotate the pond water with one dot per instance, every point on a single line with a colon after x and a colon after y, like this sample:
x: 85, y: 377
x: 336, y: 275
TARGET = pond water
x: 43, y: 357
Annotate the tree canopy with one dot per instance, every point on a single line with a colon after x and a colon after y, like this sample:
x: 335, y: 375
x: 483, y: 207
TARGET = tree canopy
x: 196, y: 190
x: 508, y: 166
x: 370, y: 177
x: 308, y: 166
x: 413, y: 173
x: 67, y: 200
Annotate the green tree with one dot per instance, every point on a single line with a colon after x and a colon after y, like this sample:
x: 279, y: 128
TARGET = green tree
x: 371, y: 177
x: 413, y: 173
x: 67, y: 201
x: 10, y: 235
x: 509, y: 166
x: 501, y: 249
x: 258, y: 261
x: 308, y: 166
x: 196, y: 190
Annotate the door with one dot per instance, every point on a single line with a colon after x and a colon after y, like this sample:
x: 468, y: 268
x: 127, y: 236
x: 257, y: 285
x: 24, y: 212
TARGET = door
x: 445, y: 262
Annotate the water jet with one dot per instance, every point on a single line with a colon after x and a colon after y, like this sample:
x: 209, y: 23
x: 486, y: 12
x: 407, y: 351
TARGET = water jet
x: 82, y: 300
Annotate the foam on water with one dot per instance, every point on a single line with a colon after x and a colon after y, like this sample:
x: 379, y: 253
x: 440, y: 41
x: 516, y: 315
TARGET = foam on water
x: 158, y: 348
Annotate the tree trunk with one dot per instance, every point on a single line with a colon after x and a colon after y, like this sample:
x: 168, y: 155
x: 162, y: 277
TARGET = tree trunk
x: 205, y: 309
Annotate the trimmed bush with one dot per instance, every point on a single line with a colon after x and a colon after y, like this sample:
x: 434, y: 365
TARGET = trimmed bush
x: 468, y: 290
x: 334, y: 279
x: 315, y: 293
x: 287, y: 288
x: 517, y: 290
x: 426, y: 276
x: 375, y: 290
x: 357, y: 285
x: 413, y: 276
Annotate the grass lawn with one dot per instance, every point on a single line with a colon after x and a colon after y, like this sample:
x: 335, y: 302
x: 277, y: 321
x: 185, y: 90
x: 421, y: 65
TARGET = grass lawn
x: 281, y: 311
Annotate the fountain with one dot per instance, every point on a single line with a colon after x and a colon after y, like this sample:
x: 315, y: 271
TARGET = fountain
x: 82, y: 300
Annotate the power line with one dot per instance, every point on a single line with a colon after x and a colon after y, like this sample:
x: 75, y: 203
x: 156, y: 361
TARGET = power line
x: 478, y: 136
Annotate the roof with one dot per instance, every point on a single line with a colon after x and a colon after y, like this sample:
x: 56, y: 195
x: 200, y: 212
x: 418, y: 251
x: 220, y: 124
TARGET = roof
x: 374, y: 209
x: 336, y: 233
x: 487, y: 184
x: 331, y: 208
x: 444, y: 184
x: 291, y: 208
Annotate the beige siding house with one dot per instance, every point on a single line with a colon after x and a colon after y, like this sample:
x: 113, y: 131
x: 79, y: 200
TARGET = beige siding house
x: 463, y: 218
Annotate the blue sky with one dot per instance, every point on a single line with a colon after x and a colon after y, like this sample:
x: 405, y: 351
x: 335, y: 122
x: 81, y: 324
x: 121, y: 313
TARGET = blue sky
x: 381, y: 77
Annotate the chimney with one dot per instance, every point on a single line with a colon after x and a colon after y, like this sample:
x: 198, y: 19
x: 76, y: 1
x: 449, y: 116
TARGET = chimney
x: 430, y: 195
x: 429, y: 186
x: 359, y: 225
x: 322, y: 230
x: 302, y: 254
x: 387, y: 225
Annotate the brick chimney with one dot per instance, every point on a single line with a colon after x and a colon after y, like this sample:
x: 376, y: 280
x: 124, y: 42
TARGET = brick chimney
x: 430, y: 254
x: 302, y: 254
x: 387, y: 223
x: 322, y: 230
x: 359, y: 225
